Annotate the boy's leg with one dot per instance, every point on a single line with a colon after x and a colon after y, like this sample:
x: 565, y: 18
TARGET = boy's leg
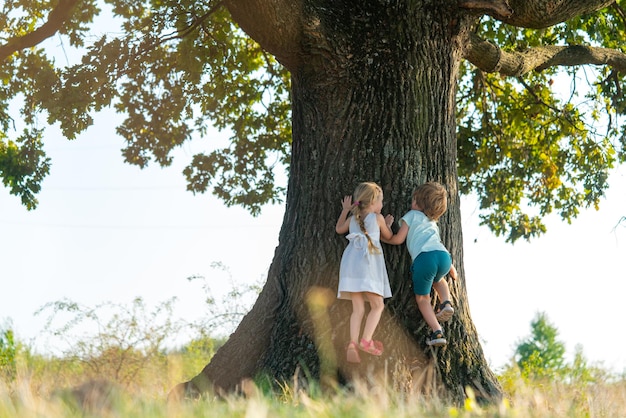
x: 436, y: 337
x: 442, y: 289
x: 426, y: 309
x: 424, y: 269
x: 447, y: 311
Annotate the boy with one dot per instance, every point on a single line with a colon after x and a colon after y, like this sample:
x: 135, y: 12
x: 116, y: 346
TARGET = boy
x: 431, y: 260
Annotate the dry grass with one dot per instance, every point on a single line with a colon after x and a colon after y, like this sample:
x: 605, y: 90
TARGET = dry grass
x: 51, y: 392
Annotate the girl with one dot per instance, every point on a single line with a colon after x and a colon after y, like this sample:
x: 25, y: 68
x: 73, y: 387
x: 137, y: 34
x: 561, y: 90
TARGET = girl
x: 362, y: 273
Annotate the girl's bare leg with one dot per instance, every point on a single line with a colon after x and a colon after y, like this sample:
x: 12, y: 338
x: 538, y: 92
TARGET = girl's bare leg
x: 373, y: 317
x: 358, y: 310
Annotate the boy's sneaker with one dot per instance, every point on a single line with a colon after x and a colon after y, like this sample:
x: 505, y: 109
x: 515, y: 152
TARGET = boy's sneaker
x: 436, y: 339
x: 446, y: 311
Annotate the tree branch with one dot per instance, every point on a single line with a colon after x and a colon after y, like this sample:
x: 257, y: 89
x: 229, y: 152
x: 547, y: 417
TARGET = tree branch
x: 274, y: 24
x: 57, y: 17
x: 543, y: 13
x: 490, y: 58
x: 620, y: 12
x: 498, y: 9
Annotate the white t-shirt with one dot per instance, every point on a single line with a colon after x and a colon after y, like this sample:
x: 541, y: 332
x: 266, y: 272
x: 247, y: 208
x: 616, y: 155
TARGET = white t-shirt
x: 423, y: 234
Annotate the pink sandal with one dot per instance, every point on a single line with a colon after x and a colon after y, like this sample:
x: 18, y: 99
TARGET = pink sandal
x: 352, y: 354
x: 372, y: 347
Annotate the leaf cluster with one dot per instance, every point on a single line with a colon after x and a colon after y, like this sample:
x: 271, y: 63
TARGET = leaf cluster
x: 528, y: 146
x: 531, y: 145
x: 173, y: 69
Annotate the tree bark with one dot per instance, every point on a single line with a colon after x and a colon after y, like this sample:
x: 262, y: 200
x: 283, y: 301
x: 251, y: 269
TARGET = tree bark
x: 374, y: 100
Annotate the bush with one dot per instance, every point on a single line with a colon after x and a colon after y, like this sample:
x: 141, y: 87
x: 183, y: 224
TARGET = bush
x: 8, y: 355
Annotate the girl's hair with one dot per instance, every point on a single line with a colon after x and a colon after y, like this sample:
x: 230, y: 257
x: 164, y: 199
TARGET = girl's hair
x: 364, y: 195
x: 432, y: 198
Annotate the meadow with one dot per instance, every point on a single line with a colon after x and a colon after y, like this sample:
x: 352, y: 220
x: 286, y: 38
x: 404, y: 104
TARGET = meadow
x: 131, y: 384
x: 124, y: 369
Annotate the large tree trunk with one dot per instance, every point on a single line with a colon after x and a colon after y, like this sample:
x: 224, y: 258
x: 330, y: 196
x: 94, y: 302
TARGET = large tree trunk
x: 374, y: 101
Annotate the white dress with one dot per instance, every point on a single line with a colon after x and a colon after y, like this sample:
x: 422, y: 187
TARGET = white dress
x: 361, y: 270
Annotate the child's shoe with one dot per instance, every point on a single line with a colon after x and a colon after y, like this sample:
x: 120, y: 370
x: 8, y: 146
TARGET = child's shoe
x: 372, y: 347
x: 436, y: 339
x: 446, y: 311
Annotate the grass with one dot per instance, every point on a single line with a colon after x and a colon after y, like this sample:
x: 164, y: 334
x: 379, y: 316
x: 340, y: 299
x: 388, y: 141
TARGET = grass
x: 51, y: 391
x: 103, y: 376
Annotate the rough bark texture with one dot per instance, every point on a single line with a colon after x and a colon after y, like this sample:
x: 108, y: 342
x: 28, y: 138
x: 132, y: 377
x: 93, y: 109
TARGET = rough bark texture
x: 373, y: 100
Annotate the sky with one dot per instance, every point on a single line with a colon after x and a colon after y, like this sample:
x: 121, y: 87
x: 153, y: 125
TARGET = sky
x: 108, y: 231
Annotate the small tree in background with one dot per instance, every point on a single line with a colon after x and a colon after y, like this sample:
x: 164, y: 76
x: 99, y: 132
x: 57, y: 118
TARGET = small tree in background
x: 541, y: 354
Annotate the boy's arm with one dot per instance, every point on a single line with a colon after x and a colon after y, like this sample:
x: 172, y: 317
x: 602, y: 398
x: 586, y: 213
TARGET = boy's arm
x: 384, y: 225
x: 400, y: 236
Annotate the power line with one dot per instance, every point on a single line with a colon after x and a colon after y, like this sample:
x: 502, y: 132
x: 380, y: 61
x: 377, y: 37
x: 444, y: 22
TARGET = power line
x: 111, y: 188
x: 138, y: 227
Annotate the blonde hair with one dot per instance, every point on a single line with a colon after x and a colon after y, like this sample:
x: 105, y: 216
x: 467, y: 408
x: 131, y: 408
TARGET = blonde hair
x: 432, y: 198
x: 364, y: 195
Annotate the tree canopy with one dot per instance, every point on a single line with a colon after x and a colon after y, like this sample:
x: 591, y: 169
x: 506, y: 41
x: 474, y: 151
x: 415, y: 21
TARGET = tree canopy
x: 536, y: 134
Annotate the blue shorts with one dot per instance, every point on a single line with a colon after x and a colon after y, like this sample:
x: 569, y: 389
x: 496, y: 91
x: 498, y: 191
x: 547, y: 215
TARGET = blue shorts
x: 429, y: 268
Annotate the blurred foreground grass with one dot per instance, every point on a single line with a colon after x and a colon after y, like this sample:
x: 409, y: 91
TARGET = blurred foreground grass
x: 125, y: 370
x: 53, y: 392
